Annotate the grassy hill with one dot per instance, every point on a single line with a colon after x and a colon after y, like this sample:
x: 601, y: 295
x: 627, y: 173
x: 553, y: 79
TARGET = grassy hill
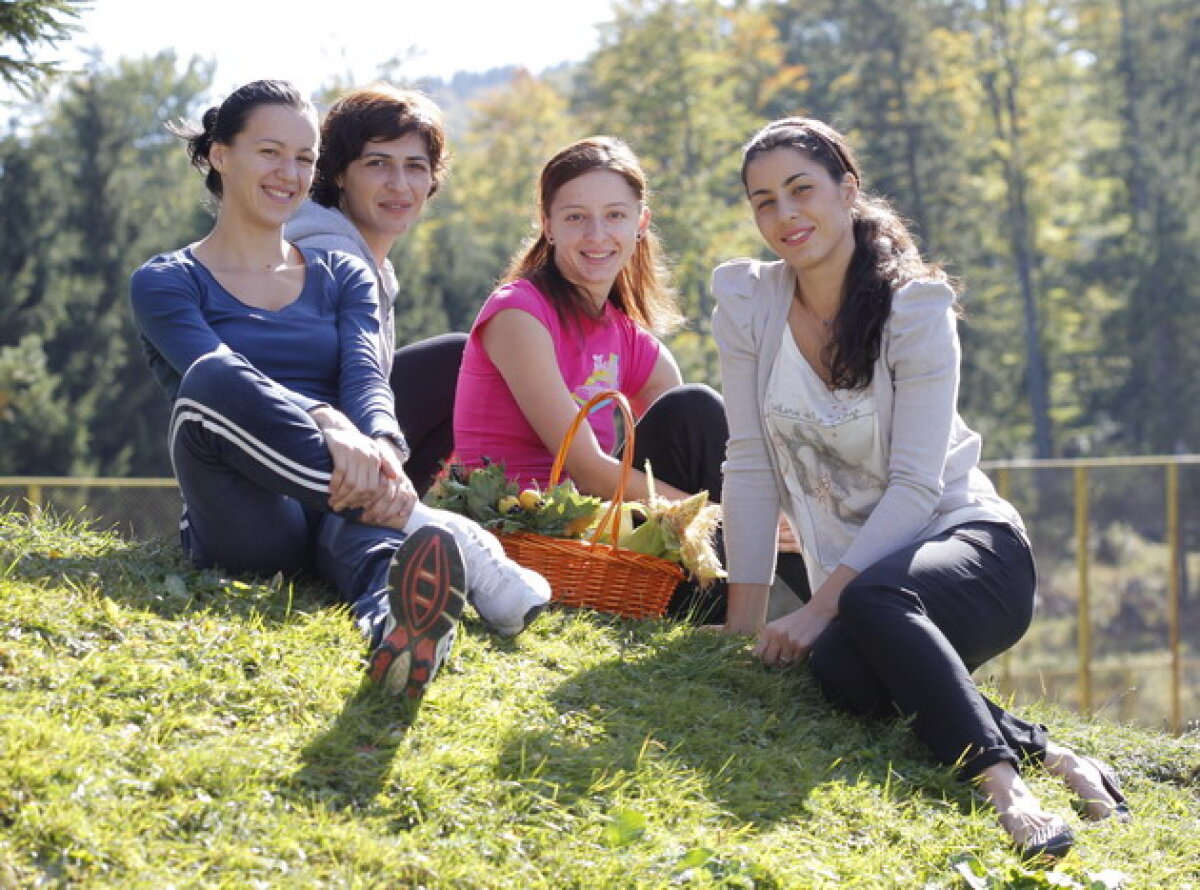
x: 165, y: 727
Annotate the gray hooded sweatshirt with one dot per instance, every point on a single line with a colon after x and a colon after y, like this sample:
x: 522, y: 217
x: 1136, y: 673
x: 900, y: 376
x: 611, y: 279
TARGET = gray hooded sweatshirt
x: 327, y: 228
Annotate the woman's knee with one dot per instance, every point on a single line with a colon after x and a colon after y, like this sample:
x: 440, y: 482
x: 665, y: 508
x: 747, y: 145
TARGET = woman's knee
x: 867, y: 599
x: 432, y: 359
x: 691, y: 403
x: 210, y: 374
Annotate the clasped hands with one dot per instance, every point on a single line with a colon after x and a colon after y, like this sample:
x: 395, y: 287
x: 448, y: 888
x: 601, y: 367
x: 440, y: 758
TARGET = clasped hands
x: 368, y: 475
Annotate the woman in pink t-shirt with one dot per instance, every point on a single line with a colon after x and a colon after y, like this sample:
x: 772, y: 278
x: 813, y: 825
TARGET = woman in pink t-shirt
x: 577, y: 312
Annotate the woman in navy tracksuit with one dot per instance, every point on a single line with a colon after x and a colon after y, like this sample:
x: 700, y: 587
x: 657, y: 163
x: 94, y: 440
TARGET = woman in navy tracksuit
x: 283, y: 435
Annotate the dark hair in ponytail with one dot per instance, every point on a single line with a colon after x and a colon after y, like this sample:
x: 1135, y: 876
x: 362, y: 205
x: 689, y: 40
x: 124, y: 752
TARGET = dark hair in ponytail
x: 885, y: 254
x: 223, y: 122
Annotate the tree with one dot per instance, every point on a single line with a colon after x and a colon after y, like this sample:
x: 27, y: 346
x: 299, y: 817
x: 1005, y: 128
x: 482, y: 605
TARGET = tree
x: 686, y: 84
x: 1157, y: 42
x: 28, y: 23
x: 101, y: 187
x: 1001, y: 42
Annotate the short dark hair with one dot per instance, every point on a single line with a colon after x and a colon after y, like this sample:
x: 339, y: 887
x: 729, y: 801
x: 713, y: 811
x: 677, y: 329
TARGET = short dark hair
x: 377, y: 113
x: 222, y: 123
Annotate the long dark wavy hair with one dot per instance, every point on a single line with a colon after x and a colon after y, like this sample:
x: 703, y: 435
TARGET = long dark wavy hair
x: 885, y: 254
x: 222, y: 123
x: 641, y: 290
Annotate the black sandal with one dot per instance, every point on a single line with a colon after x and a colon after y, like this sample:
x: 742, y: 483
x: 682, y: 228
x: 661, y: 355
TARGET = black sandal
x: 1053, y: 840
x: 1112, y: 787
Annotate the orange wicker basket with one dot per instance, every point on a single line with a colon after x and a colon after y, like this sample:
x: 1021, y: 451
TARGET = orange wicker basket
x: 591, y: 574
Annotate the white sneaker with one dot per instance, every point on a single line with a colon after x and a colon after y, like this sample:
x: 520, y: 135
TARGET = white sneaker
x: 507, y: 596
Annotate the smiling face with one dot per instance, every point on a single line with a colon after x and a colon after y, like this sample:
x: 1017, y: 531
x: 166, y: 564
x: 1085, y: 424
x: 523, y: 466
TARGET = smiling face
x: 801, y: 211
x: 385, y: 189
x: 267, y: 168
x: 594, y: 222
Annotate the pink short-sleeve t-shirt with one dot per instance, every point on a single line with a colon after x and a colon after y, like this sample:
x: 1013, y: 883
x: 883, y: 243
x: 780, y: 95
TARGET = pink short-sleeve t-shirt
x: 595, y: 354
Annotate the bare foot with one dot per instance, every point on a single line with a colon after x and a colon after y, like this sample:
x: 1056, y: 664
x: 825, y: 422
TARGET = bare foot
x: 1098, y: 798
x: 1020, y: 812
x: 1033, y: 831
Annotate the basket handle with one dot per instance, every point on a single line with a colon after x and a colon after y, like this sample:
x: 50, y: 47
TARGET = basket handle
x: 612, y: 516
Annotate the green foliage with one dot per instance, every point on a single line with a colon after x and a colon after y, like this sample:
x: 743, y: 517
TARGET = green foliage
x: 1046, y: 151
x: 486, y: 495
x: 27, y: 23
x: 35, y: 420
x: 162, y: 726
x: 101, y: 187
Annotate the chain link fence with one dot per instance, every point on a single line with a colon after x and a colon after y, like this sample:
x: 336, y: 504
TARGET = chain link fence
x: 139, y: 509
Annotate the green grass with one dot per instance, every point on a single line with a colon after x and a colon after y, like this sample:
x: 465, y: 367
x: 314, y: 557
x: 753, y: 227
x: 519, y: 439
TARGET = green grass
x: 161, y: 727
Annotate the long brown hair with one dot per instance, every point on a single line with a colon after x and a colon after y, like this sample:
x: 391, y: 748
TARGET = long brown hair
x: 641, y: 290
x: 885, y: 254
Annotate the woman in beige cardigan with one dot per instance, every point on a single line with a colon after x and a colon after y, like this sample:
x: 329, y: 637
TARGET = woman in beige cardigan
x: 840, y: 367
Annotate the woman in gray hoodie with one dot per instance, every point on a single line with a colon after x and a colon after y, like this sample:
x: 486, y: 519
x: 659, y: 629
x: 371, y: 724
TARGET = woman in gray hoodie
x: 382, y: 156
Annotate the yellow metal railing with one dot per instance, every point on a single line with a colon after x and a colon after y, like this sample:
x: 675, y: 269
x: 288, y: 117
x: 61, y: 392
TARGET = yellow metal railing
x: 1002, y: 471
x: 35, y: 485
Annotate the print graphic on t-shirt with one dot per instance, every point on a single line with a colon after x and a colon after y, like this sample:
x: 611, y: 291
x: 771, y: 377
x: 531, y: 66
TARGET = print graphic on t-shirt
x: 606, y: 374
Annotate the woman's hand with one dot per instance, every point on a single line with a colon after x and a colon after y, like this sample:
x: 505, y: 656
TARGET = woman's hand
x: 357, y: 480
x: 792, y: 637
x: 397, y: 498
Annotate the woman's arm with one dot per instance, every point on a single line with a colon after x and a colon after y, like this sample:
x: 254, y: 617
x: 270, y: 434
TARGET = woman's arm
x: 363, y: 391
x: 364, y: 439
x: 664, y: 377
x: 750, y: 496
x: 523, y: 351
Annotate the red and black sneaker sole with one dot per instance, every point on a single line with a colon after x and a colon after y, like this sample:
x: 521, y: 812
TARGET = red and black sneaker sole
x: 426, y: 584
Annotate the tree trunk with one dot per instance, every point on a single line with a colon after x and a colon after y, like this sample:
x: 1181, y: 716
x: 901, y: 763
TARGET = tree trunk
x: 1006, y: 116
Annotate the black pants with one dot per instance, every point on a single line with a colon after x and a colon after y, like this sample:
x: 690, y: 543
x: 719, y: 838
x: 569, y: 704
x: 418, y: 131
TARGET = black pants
x: 683, y: 435
x: 424, y: 378
x: 911, y: 629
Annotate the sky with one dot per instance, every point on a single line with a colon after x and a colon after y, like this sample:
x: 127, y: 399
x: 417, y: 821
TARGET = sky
x: 310, y: 43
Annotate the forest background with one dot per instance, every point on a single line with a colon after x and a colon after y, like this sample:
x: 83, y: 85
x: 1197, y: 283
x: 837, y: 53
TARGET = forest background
x: 1048, y: 153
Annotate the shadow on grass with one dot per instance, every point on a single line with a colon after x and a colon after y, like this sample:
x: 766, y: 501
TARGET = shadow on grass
x: 346, y: 766
x: 697, y: 709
